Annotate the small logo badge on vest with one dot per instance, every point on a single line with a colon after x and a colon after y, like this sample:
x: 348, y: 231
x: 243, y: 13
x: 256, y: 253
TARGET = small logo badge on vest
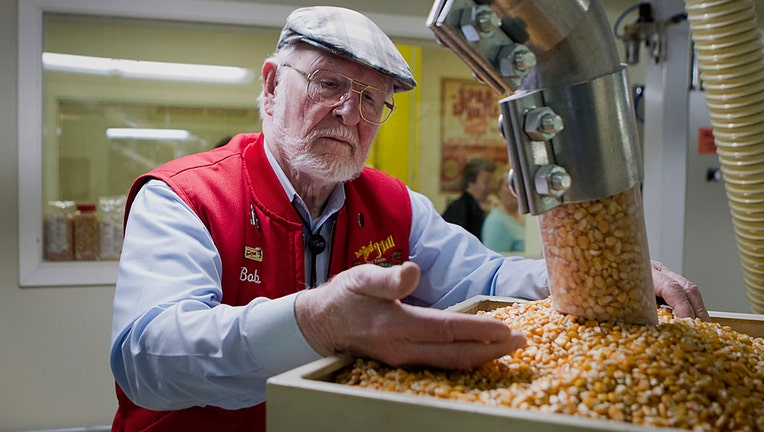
x: 253, y: 253
x: 377, y: 249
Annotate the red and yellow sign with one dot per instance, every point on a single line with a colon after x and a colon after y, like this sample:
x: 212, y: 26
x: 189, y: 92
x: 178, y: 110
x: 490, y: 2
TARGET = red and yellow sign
x: 469, y: 128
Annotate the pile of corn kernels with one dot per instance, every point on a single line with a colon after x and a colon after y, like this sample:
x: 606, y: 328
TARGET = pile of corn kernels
x: 683, y: 373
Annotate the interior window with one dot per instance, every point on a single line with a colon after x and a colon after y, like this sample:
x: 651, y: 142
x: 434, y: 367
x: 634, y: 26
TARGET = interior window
x: 122, y: 96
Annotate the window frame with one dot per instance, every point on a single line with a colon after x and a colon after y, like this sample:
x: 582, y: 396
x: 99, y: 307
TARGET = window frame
x: 33, y: 270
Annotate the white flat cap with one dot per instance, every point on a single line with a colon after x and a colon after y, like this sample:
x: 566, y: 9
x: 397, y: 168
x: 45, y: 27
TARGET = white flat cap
x: 348, y: 34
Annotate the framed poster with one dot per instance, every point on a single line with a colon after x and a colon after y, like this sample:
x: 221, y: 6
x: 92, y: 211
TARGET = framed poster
x: 469, y: 128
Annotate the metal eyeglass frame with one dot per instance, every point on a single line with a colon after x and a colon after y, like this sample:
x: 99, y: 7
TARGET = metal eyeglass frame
x: 310, y: 77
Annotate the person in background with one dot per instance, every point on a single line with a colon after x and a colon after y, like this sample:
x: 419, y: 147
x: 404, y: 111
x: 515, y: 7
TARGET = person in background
x: 467, y: 210
x: 504, y: 226
x: 281, y: 247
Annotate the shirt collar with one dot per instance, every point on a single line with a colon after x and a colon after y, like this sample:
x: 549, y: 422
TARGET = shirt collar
x: 333, y: 204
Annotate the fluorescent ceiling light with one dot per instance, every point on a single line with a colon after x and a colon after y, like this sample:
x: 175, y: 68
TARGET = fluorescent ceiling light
x: 148, y: 134
x: 145, y: 69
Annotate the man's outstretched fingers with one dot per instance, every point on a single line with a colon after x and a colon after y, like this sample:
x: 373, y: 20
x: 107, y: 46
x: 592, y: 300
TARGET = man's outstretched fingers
x: 457, y: 355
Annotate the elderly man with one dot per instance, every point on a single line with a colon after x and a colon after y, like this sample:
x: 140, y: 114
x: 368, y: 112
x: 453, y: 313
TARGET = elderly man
x: 222, y: 248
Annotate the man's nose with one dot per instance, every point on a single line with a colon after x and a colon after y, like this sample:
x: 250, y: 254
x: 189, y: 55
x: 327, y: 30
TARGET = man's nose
x: 350, y: 107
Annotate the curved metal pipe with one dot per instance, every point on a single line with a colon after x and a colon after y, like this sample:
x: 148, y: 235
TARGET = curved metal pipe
x: 493, y: 37
x: 572, y: 41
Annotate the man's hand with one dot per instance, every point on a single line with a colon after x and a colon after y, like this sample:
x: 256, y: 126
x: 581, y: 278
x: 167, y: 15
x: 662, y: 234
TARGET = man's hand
x: 359, y: 312
x: 682, y: 295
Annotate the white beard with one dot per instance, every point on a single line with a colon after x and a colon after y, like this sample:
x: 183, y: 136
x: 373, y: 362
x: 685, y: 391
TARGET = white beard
x: 300, y: 156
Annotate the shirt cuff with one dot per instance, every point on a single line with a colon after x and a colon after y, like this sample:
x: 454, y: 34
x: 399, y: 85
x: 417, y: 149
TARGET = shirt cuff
x: 275, y: 340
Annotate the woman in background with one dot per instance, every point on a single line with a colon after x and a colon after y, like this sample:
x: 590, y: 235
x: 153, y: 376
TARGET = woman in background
x: 504, y: 227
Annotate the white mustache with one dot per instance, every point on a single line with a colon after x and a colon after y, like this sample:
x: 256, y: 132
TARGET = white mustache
x: 337, y: 133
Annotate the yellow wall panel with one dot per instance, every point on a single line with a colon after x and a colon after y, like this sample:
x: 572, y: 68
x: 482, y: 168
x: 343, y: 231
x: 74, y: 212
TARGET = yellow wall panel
x: 395, y: 149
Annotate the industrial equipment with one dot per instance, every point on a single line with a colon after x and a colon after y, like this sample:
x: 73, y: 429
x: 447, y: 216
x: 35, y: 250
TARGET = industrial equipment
x: 570, y: 126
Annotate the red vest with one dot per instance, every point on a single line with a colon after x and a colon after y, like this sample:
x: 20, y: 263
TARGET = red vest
x: 259, y: 236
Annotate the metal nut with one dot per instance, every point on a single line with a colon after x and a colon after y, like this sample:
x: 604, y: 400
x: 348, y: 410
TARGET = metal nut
x: 524, y: 59
x: 551, y: 124
x: 487, y: 21
x: 552, y: 180
x: 515, y: 60
x: 542, y: 124
x: 478, y: 22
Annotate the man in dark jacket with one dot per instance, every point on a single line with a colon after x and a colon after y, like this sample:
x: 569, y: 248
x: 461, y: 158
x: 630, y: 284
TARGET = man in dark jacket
x: 466, y: 210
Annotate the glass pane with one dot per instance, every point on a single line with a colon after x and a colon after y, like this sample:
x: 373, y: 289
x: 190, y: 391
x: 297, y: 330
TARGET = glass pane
x: 122, y: 96
x: 101, y: 151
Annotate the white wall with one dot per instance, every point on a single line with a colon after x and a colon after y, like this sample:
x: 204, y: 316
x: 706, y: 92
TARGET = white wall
x: 53, y: 361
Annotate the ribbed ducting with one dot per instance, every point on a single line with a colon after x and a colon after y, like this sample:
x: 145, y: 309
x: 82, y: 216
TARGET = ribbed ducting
x: 729, y: 54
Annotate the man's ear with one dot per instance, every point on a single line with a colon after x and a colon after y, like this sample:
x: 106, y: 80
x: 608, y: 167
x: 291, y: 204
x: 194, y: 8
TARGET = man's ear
x: 269, y: 85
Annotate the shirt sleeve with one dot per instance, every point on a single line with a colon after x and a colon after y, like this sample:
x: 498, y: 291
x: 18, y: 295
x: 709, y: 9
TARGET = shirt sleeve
x: 456, y: 266
x: 174, y: 344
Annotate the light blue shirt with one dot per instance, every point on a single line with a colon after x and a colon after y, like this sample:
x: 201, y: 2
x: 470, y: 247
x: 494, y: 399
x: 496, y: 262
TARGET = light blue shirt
x: 502, y: 233
x: 175, y: 345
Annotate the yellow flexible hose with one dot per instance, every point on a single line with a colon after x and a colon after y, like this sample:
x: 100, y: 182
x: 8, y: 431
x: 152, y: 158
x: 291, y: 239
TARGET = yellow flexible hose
x: 729, y: 51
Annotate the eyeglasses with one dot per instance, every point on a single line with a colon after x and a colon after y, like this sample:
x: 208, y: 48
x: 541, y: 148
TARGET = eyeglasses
x: 329, y: 88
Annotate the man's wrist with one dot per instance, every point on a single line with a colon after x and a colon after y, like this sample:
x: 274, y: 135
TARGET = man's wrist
x: 308, y: 317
